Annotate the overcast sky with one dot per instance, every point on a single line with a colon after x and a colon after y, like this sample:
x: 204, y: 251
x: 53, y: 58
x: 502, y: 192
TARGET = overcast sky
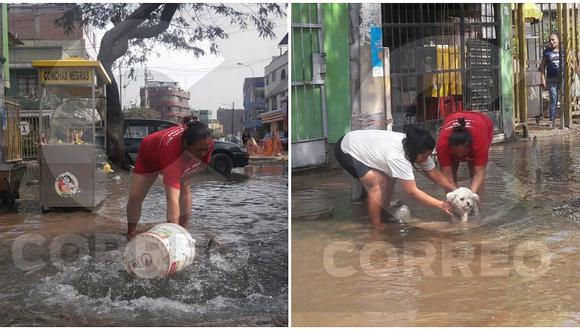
x: 213, y: 81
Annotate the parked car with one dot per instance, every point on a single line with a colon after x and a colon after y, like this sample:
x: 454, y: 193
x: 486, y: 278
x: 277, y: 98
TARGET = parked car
x: 224, y: 158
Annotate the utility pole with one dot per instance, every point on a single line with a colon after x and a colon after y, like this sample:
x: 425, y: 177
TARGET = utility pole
x: 521, y: 82
x: 252, y: 96
x: 3, y: 112
x: 121, y: 85
x: 146, y: 91
x: 232, y: 120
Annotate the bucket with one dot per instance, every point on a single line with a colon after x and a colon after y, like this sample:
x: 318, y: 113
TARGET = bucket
x: 164, y: 250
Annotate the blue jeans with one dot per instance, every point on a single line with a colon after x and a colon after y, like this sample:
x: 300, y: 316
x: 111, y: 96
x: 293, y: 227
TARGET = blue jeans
x: 552, y: 85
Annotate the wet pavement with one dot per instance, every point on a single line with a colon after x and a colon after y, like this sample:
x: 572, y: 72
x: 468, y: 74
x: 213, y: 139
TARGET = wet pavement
x: 66, y: 269
x: 518, y: 266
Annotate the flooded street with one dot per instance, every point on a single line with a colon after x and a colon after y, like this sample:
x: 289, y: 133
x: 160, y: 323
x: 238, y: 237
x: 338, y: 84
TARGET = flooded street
x: 518, y: 266
x: 82, y: 282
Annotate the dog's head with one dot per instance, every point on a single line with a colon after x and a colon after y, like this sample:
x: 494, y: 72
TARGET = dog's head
x: 463, y: 201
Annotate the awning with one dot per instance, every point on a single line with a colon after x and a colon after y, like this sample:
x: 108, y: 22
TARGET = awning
x: 273, y: 116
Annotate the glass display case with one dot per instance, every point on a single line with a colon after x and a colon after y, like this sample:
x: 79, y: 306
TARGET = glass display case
x: 72, y: 151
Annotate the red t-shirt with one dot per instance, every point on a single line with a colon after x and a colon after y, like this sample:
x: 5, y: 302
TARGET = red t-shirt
x: 479, y: 125
x: 163, y: 151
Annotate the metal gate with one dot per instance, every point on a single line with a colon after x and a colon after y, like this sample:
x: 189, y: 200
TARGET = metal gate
x: 31, y: 139
x: 444, y: 58
x: 11, y: 132
x: 309, y: 117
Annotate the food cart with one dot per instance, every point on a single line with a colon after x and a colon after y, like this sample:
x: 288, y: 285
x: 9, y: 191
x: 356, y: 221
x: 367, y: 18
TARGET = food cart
x: 72, y: 151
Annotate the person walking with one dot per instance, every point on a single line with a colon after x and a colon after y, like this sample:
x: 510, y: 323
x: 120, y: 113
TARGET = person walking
x: 551, y: 70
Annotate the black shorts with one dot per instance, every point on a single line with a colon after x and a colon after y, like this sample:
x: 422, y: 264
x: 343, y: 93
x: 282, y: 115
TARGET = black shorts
x: 351, y: 165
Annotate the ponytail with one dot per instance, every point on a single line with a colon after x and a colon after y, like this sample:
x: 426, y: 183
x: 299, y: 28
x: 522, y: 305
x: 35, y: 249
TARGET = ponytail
x: 460, y: 135
x: 194, y: 130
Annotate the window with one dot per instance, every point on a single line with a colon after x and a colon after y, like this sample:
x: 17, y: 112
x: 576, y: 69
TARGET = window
x: 283, y: 74
x: 27, y: 84
x: 137, y: 132
x: 274, y: 76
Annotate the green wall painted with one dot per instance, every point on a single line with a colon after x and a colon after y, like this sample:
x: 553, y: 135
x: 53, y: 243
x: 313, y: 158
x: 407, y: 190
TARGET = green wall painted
x: 336, y: 46
x: 306, y: 109
x: 307, y: 99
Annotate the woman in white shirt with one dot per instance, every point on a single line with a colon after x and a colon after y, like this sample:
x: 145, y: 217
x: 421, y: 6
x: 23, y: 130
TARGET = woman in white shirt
x: 378, y: 158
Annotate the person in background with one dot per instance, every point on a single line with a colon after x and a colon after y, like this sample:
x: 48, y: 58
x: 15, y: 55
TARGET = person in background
x: 378, y: 159
x: 550, y: 68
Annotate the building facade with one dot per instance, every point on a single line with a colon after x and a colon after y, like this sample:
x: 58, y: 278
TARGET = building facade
x: 39, y: 38
x: 36, y: 37
x: 254, y: 103
x: 381, y: 72
x: 276, y: 91
x: 216, y: 127
x: 231, y: 119
x: 202, y: 115
x: 167, y: 98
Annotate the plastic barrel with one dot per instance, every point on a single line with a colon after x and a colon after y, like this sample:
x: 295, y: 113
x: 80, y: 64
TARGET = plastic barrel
x: 164, y: 250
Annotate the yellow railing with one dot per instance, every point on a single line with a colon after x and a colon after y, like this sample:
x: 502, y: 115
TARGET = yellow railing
x: 11, y: 133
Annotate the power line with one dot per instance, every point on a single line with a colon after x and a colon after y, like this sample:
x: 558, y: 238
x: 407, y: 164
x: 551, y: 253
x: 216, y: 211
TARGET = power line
x: 225, y: 64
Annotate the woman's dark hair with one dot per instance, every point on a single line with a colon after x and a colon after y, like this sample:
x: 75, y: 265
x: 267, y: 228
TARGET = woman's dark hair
x: 460, y: 136
x: 418, y: 140
x: 194, y: 130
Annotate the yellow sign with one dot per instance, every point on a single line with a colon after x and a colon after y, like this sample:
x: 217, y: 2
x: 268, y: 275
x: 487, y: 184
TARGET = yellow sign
x: 66, y: 76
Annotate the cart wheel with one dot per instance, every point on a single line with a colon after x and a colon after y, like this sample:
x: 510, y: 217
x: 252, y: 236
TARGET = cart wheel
x: 45, y: 209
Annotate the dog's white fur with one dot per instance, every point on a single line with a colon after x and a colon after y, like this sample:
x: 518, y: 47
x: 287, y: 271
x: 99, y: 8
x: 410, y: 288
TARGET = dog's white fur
x: 464, y: 204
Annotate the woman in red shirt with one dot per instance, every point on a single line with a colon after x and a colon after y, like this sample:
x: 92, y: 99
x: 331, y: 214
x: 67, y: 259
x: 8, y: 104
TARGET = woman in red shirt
x: 465, y: 137
x: 177, y: 153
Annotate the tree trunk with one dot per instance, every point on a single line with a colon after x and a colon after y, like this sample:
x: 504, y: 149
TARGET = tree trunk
x: 114, y: 45
x: 114, y: 120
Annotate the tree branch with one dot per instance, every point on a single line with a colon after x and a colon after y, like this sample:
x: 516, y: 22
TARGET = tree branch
x: 120, y: 48
x: 113, y: 35
x: 153, y: 31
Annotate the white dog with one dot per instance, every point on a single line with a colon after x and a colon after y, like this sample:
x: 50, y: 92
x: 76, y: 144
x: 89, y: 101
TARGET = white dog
x: 464, y: 204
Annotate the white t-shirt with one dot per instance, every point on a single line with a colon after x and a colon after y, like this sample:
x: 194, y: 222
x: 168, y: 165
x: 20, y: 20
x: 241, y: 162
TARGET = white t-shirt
x: 383, y: 151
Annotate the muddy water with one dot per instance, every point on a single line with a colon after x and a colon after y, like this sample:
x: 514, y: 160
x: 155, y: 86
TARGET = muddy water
x: 518, y: 266
x: 241, y: 281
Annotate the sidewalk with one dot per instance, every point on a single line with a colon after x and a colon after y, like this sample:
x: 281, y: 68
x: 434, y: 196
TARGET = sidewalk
x: 265, y: 159
x: 544, y: 130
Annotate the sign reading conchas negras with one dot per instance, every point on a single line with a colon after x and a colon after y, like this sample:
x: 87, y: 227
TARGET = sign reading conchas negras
x: 66, y: 76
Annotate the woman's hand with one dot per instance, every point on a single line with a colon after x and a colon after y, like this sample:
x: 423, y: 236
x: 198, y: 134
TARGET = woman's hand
x: 411, y: 189
x: 445, y: 207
